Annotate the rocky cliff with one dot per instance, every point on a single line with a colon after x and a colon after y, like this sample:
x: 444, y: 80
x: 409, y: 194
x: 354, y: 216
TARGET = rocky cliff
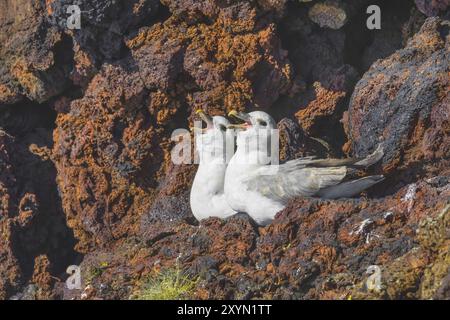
x: 86, y: 117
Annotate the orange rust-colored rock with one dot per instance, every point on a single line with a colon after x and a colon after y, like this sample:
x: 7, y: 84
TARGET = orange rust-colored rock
x: 231, y: 69
x: 324, y: 106
x: 96, y: 168
x: 31, y: 63
x: 112, y: 147
x: 314, y: 249
x: 42, y: 278
x: 31, y: 222
x: 86, y: 120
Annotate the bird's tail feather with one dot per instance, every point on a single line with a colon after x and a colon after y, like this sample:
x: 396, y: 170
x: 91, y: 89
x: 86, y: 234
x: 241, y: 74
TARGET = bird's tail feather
x: 357, y: 163
x: 350, y: 188
x: 372, y: 158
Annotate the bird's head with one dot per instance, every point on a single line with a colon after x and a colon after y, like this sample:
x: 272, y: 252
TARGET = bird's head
x: 256, y: 132
x: 253, y: 120
x: 373, y: 269
x: 216, y: 139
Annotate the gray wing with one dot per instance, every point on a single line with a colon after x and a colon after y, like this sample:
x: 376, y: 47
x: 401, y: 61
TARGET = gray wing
x: 371, y: 159
x: 294, y: 178
x: 307, y: 176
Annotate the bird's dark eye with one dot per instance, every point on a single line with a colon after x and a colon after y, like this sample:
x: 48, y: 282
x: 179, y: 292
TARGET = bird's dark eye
x: 262, y: 122
x: 223, y: 128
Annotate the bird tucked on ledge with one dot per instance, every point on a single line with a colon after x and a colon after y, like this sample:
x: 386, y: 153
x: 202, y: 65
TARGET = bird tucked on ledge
x: 262, y: 190
x: 207, y: 196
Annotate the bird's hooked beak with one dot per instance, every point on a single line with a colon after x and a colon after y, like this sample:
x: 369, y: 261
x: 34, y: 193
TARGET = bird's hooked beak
x: 241, y: 116
x: 206, y: 118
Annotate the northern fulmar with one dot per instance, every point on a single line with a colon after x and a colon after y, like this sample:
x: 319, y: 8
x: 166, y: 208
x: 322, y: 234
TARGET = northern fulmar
x: 207, y: 196
x: 260, y: 191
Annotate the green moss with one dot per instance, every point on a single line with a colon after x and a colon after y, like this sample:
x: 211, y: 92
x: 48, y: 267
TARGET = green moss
x: 169, y: 284
x: 93, y: 272
x: 420, y: 272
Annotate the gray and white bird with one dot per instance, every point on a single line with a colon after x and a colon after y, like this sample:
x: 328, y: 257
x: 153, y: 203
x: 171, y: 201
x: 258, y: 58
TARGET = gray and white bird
x: 215, y: 145
x: 257, y: 189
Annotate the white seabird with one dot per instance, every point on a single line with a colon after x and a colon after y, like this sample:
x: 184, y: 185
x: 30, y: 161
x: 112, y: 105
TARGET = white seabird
x: 207, y: 196
x: 261, y: 192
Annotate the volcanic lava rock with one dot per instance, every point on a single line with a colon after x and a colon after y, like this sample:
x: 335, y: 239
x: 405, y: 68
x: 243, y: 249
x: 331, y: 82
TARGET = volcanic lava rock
x: 295, y: 143
x: 334, y: 14
x: 160, y: 61
x: 33, y: 58
x: 104, y: 25
x: 171, y: 205
x: 328, y: 104
x: 433, y: 7
x: 137, y: 70
x: 329, y: 14
x: 403, y: 100
x: 112, y: 148
x: 42, y: 278
x: 9, y: 265
x: 100, y: 176
x: 233, y: 65
x: 314, y: 249
x: 420, y: 273
x: 31, y: 218
x: 193, y: 11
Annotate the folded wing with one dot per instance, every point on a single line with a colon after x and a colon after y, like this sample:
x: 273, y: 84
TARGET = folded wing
x: 299, y: 177
x: 308, y: 176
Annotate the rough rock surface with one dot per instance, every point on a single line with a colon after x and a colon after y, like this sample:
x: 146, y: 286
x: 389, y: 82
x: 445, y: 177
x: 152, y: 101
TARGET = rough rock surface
x: 414, y: 124
x: 433, y: 7
x: 31, y: 218
x: 104, y: 24
x: 33, y: 63
x: 86, y: 118
x: 315, y: 249
x: 330, y: 14
x: 107, y: 178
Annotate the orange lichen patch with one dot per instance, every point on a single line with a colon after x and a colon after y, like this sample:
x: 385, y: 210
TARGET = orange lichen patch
x: 237, y: 95
x: 160, y: 32
x: 244, y: 55
x: 347, y: 148
x: 328, y: 14
x: 202, y: 294
x: 138, y: 6
x: 26, y: 77
x: 383, y: 258
x: 48, y: 5
x: 84, y: 65
x: 323, y: 106
x: 395, y: 83
x: 238, y: 25
x: 163, y: 107
x: 427, y: 42
x: 7, y: 94
x: 348, y: 237
x: 225, y: 64
x: 42, y: 152
x: 324, y: 255
x: 43, y: 278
